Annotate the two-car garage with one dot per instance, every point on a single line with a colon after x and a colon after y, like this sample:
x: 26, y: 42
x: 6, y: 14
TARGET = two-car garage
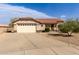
x: 29, y: 28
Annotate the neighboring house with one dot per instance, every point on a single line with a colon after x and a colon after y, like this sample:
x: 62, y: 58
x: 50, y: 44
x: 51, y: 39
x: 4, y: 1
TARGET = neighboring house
x: 24, y: 25
x: 3, y: 28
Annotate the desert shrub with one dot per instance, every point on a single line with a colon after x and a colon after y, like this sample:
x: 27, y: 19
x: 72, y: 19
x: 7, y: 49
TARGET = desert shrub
x: 69, y: 27
x: 46, y: 30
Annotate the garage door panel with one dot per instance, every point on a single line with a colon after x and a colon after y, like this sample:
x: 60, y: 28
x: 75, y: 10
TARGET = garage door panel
x: 24, y: 29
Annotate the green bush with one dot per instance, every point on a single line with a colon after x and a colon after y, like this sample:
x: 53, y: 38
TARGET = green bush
x: 46, y: 30
x: 76, y: 29
x: 69, y: 27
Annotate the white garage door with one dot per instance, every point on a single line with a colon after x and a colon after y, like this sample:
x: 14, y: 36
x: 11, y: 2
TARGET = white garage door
x: 26, y: 28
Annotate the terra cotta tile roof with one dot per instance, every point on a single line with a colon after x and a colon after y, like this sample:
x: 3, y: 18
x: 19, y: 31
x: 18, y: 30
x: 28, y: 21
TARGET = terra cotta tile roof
x: 42, y: 21
x: 49, y: 20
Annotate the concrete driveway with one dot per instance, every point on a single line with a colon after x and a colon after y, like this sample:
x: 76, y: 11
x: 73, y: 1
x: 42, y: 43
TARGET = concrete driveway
x: 33, y: 44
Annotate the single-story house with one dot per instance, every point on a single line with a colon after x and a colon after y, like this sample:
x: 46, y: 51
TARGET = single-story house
x: 3, y: 28
x: 30, y: 25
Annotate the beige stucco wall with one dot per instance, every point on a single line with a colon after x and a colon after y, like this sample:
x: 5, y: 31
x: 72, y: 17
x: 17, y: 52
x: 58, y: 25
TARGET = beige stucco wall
x: 40, y: 27
x: 15, y: 27
x: 56, y: 27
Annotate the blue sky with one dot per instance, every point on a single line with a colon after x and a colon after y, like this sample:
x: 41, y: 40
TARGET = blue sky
x: 38, y: 10
x: 54, y: 9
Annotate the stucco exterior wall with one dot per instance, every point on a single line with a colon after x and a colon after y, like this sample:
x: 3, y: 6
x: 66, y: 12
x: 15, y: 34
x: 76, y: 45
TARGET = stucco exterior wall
x: 40, y: 27
x: 15, y: 27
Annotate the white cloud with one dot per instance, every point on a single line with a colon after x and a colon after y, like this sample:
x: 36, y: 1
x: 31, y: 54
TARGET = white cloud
x: 8, y: 12
x: 63, y: 16
x: 22, y: 11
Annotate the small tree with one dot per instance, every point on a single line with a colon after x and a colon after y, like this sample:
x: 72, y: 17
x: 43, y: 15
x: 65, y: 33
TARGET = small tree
x: 69, y: 27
